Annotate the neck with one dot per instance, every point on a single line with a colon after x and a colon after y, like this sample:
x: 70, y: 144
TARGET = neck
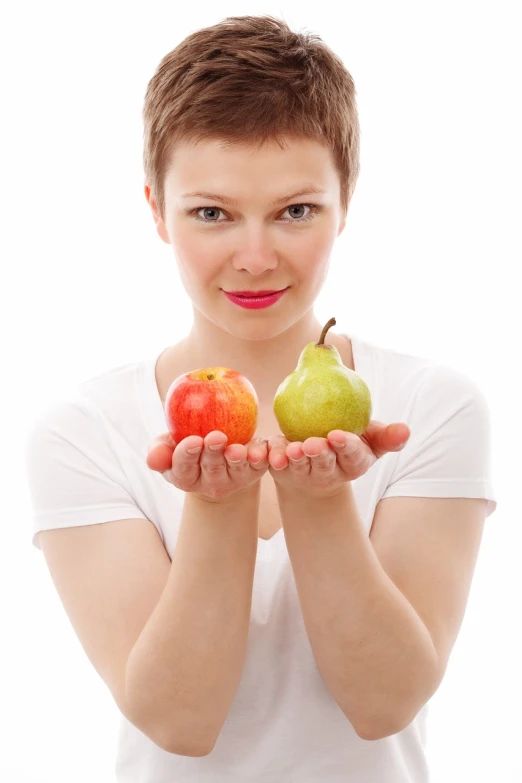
x: 265, y: 362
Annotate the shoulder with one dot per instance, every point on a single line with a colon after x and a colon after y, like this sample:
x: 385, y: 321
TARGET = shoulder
x: 85, y: 410
x: 421, y: 377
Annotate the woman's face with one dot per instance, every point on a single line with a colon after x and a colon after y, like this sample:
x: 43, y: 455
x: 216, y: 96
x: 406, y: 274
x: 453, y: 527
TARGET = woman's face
x: 250, y: 242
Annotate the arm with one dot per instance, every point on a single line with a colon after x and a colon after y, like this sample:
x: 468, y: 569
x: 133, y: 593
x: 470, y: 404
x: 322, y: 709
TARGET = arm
x: 374, y: 653
x: 184, y: 669
x: 383, y: 613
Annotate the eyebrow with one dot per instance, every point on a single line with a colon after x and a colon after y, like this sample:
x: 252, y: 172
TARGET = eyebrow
x: 306, y: 190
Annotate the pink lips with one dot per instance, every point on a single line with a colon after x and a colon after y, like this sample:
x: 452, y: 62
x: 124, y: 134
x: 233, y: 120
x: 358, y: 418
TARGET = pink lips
x: 253, y: 294
x: 255, y: 302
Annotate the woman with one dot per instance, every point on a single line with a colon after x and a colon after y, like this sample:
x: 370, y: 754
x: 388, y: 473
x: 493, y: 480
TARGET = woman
x: 276, y: 610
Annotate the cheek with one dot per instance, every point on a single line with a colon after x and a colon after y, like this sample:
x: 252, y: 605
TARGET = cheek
x: 312, y: 253
x: 315, y: 241
x: 194, y: 256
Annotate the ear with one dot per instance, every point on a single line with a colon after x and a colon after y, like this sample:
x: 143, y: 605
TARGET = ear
x: 342, y: 224
x: 158, y: 220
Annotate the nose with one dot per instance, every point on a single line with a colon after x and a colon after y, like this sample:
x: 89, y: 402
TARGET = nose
x: 255, y: 252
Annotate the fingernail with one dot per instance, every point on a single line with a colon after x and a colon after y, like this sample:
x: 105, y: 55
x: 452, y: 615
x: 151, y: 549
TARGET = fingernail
x: 194, y: 451
x: 339, y: 444
x: 218, y: 447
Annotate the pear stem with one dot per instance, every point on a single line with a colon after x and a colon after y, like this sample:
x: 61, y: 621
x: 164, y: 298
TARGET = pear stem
x: 327, y: 326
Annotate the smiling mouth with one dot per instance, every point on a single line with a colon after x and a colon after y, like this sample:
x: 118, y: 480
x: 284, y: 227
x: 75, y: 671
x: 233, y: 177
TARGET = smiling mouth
x: 253, y: 294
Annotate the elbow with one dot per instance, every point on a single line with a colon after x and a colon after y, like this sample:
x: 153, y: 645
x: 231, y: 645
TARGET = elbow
x: 386, y: 723
x: 195, y: 745
x: 383, y: 726
x: 177, y: 743
x: 372, y: 733
x: 192, y: 740
x: 178, y: 748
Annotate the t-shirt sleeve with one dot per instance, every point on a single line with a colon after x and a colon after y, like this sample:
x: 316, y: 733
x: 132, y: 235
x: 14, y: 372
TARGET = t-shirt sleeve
x: 449, y: 452
x: 73, y: 473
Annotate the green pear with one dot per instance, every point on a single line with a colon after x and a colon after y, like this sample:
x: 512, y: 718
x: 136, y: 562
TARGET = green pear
x: 322, y: 395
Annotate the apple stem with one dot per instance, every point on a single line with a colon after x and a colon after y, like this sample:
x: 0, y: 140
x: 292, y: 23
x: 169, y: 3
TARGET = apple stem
x: 327, y: 326
x: 210, y: 377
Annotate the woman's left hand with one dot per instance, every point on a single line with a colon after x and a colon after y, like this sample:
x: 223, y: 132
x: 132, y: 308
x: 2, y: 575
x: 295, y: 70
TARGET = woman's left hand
x: 319, y: 468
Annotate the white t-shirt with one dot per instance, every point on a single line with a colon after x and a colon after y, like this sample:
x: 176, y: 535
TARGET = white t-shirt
x: 86, y: 465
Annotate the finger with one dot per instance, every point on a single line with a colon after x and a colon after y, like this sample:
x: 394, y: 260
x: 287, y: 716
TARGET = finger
x: 322, y: 457
x: 195, y: 453
x: 212, y: 457
x: 215, y: 441
x: 257, y: 451
x: 236, y: 465
x: 186, y: 456
x: 354, y: 455
x: 398, y: 433
x: 278, y: 462
x: 259, y: 464
x: 277, y: 458
x: 192, y: 455
x: 301, y: 463
x: 277, y: 452
x: 160, y: 452
x: 277, y: 440
x: 314, y: 446
x: 345, y: 443
x: 382, y: 438
x: 295, y: 454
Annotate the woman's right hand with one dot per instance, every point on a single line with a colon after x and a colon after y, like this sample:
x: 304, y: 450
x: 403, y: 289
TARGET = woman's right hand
x: 209, y: 474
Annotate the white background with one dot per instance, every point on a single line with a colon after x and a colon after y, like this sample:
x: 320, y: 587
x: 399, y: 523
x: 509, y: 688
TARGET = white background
x: 428, y: 264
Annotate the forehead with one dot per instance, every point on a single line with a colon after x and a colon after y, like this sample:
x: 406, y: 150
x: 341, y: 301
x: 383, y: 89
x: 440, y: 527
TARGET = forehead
x: 217, y: 166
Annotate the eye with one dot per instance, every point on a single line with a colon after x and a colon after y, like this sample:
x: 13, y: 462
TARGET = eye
x: 302, y: 206
x: 205, y: 209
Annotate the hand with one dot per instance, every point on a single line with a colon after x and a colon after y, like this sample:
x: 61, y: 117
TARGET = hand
x: 321, y: 468
x: 209, y: 474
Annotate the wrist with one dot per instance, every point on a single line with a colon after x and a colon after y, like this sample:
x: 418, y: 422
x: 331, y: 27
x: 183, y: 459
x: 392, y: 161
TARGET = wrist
x: 306, y: 496
x: 247, y: 495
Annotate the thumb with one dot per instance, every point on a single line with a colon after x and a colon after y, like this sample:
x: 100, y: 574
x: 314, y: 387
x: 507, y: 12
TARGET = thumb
x: 398, y: 435
x: 160, y: 452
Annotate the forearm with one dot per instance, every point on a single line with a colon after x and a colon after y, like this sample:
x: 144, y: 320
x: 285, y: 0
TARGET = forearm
x: 184, y: 670
x: 374, y: 653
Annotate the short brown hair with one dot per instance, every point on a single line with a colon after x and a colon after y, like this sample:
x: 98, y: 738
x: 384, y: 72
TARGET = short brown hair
x: 249, y: 80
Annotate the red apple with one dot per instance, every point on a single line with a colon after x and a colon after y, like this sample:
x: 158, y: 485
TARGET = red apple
x: 212, y: 398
